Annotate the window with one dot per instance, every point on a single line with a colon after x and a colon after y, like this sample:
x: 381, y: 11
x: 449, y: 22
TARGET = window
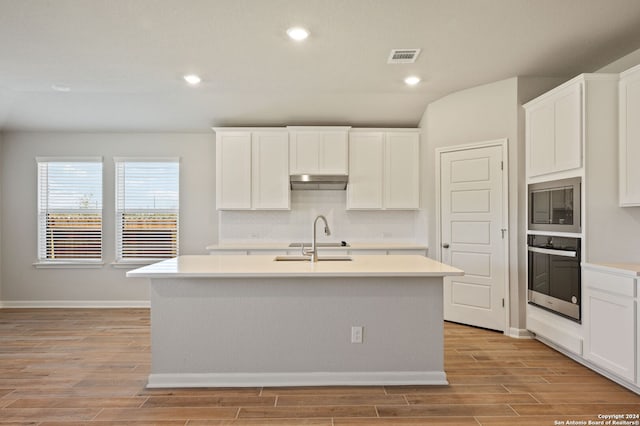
x: 69, y: 210
x: 147, y: 204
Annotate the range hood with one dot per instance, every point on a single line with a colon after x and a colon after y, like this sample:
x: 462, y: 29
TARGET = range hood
x: 319, y: 182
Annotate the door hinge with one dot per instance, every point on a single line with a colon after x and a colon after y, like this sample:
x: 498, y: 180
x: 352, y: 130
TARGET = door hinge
x: 503, y: 302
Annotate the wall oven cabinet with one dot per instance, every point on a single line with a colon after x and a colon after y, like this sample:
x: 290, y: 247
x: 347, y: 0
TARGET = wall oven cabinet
x: 554, y: 274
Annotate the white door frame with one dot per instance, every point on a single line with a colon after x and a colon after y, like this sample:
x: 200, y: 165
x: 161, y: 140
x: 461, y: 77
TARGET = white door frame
x: 504, y: 143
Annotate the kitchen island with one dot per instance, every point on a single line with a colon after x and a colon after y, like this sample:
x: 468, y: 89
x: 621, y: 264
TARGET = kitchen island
x: 219, y: 321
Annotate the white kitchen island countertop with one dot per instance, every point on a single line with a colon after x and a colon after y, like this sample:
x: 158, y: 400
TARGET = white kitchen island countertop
x: 210, y: 266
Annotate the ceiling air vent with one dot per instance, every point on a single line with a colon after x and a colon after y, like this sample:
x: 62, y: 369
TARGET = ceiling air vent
x: 403, y: 56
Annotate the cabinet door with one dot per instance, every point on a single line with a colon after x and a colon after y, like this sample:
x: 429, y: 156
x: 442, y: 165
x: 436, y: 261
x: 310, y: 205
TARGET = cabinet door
x: 333, y: 153
x: 554, y: 133
x: 270, y: 170
x: 540, y: 139
x: 568, y: 129
x: 402, y: 165
x: 233, y: 170
x: 610, y: 321
x: 304, y: 152
x: 366, y: 165
x: 630, y: 139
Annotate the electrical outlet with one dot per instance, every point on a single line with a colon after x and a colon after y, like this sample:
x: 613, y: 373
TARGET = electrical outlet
x: 356, y: 334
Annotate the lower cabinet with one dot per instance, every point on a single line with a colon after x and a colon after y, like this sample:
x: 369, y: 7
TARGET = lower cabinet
x: 610, y: 322
x: 608, y: 340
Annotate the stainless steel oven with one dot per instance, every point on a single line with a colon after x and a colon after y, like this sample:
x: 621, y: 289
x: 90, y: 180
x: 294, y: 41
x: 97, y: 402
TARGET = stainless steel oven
x: 554, y: 206
x: 554, y: 274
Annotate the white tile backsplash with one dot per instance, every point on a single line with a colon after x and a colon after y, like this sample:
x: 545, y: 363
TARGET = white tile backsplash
x: 295, y: 225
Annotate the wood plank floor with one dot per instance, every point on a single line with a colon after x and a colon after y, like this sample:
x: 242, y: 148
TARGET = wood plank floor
x: 76, y: 366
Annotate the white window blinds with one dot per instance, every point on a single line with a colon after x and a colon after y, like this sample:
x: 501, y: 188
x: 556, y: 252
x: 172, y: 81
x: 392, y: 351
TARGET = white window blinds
x: 147, y: 207
x: 69, y: 210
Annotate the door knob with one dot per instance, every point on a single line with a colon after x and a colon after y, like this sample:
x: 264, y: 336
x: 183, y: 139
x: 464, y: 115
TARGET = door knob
x: 445, y: 245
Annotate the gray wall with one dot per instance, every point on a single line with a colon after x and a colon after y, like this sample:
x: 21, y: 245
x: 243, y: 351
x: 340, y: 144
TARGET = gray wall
x: 612, y: 232
x: 482, y: 113
x: 21, y: 281
x: 622, y: 64
x: 489, y: 112
x: 609, y: 225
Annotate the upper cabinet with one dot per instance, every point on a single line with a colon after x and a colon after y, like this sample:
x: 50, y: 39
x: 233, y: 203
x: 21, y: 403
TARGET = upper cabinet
x: 384, y: 169
x: 252, y: 169
x: 253, y: 165
x: 554, y: 131
x: 318, y: 150
x: 629, y: 137
x: 366, y: 170
x: 270, y: 166
x: 233, y: 170
x: 402, y: 170
x: 565, y: 123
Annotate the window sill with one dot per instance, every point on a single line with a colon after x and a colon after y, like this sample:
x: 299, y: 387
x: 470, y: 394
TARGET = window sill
x: 68, y: 265
x: 129, y: 264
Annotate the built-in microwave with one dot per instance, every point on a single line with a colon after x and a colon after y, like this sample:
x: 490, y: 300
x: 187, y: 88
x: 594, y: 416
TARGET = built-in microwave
x: 554, y: 206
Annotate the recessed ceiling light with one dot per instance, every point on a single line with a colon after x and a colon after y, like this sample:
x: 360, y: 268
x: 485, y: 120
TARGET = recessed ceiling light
x: 60, y: 88
x: 412, y: 80
x: 297, y: 33
x: 192, y: 79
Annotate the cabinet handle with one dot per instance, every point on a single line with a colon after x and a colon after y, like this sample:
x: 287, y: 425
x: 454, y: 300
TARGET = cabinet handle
x: 445, y: 245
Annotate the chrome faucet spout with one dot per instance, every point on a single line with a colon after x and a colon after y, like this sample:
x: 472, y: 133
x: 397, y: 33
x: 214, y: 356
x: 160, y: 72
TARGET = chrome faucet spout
x: 327, y: 231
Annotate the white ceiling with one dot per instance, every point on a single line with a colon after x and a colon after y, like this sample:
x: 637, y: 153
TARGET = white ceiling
x: 124, y: 59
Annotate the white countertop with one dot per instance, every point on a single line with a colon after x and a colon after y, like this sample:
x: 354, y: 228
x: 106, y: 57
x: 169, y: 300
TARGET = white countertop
x: 632, y: 269
x: 230, y: 266
x: 285, y: 246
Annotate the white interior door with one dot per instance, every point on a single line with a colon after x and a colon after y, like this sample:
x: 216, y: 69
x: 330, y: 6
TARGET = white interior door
x: 472, y: 217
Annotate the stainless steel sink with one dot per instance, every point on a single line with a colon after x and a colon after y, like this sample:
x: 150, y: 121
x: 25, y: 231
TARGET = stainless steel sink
x: 308, y: 258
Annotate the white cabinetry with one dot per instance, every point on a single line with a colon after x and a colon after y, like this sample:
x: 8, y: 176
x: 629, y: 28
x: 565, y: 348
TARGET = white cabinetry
x: 560, y: 331
x: 610, y: 322
x: 233, y: 170
x: 318, y: 150
x: 629, y: 142
x: 366, y: 168
x: 270, y: 177
x: 554, y: 130
x: 383, y: 169
x: 567, y: 121
x: 252, y: 170
x: 402, y: 170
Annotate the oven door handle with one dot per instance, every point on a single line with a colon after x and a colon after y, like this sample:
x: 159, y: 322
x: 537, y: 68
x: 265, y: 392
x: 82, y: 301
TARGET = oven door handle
x: 565, y: 253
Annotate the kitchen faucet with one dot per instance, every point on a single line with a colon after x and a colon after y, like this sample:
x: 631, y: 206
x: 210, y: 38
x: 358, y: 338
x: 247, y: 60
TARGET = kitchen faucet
x: 314, y: 248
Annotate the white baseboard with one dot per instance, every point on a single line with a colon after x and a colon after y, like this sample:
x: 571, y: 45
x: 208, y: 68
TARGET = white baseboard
x: 356, y: 378
x: 520, y: 333
x: 74, y: 304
